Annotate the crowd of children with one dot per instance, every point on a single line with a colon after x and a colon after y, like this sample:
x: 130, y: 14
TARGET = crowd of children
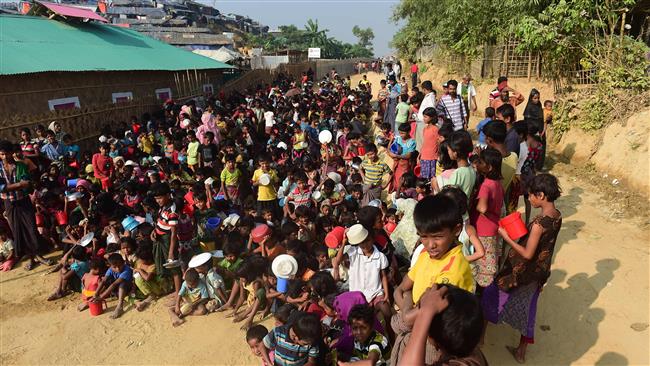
x: 261, y: 204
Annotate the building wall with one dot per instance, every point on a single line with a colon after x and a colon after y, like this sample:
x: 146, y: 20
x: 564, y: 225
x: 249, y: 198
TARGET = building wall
x: 24, y: 99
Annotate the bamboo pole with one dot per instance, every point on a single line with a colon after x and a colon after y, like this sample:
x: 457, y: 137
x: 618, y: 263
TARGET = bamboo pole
x: 530, y: 63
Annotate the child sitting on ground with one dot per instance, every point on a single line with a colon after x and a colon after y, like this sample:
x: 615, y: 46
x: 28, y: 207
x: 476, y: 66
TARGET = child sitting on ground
x: 7, y: 256
x: 193, y: 295
x: 254, y: 337
x: 118, y: 280
x: 369, y: 345
x: 294, y: 343
x: 71, y: 274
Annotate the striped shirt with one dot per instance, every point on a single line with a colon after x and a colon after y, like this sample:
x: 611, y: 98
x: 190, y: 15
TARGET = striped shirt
x: 20, y: 173
x: 167, y: 218
x: 29, y: 148
x: 374, y: 171
x: 300, y: 198
x: 454, y: 109
x: 375, y: 343
x: 288, y: 353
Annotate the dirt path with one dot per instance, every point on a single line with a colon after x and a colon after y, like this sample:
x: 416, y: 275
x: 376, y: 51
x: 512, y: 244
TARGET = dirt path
x: 594, y: 310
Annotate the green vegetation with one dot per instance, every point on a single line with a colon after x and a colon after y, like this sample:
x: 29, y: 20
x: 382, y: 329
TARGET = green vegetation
x: 293, y: 38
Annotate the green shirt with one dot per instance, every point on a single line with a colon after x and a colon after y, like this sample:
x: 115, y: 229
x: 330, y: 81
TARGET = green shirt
x: 402, y: 112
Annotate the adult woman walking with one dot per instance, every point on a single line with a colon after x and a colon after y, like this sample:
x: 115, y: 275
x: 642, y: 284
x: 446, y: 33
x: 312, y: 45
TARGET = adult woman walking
x: 18, y: 209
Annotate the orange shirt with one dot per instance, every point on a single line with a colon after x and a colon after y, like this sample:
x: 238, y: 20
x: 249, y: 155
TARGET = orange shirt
x: 271, y: 252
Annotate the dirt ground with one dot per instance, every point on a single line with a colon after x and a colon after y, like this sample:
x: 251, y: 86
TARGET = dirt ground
x: 594, y: 309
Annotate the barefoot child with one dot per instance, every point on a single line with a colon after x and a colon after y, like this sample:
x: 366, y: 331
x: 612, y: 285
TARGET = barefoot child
x: 214, y: 282
x: 191, y: 298
x: 118, y: 280
x: 251, y: 287
x: 254, y: 337
x: 148, y: 281
x: 7, y: 256
x: 71, y: 274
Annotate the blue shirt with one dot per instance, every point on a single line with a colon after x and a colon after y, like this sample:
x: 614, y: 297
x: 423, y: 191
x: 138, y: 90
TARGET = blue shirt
x: 71, y: 151
x: 479, y: 129
x: 79, y: 268
x: 51, y: 151
x: 126, y: 274
x: 407, y: 146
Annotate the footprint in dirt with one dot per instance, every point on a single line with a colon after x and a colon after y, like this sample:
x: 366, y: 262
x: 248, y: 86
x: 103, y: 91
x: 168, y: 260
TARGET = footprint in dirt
x: 639, y: 327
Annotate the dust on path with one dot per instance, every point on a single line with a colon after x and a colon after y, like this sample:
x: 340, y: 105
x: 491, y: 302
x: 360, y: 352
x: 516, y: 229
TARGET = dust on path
x: 594, y: 309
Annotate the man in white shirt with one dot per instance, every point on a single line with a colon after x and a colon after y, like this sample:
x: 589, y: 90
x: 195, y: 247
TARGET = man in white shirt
x: 428, y: 101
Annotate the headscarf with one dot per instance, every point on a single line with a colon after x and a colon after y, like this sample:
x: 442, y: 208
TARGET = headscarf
x: 208, y: 125
x: 533, y: 112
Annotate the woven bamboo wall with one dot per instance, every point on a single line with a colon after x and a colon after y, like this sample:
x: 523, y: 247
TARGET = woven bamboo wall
x: 24, y: 98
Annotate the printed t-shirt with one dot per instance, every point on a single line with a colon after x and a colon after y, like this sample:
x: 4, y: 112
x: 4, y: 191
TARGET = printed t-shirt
x: 451, y: 269
x: 488, y: 224
x: 508, y: 168
x: 193, y: 294
x: 266, y: 193
x: 377, y: 342
x: 208, y: 153
x: 402, y: 112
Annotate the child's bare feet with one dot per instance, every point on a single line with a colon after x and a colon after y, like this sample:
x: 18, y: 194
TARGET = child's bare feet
x: 178, y: 322
x: 83, y: 306
x: 231, y: 314
x: 141, y: 305
x: 517, y: 354
x: 55, y: 296
x: 224, y: 308
x: 117, y: 312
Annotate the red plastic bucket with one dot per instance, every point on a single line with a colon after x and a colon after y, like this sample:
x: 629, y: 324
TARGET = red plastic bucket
x: 259, y: 232
x: 417, y: 170
x: 96, y: 307
x: 40, y: 220
x: 514, y: 225
x: 61, y: 218
x: 335, y: 237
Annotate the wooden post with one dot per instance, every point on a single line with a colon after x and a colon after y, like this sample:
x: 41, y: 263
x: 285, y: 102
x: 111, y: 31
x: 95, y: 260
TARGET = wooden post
x: 539, y: 65
x: 530, y: 63
x: 506, y: 56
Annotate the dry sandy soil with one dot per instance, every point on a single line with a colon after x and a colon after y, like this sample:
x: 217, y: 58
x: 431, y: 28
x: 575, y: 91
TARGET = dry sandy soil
x: 594, y: 309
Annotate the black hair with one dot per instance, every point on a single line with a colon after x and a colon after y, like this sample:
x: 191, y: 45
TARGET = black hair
x: 145, y: 252
x: 409, y: 180
x: 507, y: 111
x: 191, y: 275
x: 496, y: 130
x: 421, y: 183
x: 371, y: 148
x: 307, y: 327
x: 386, y: 126
x: 79, y: 253
x: 524, y: 128
x: 320, y: 249
x: 427, y: 85
x: 452, y: 82
x: 435, y: 213
x: 115, y: 259
x: 130, y: 242
x: 256, y: 332
x: 456, y: 194
x: 367, y: 216
x: 492, y: 157
x: 430, y: 112
x: 490, y: 112
x: 363, y: 312
x: 200, y: 196
x: 96, y: 264
x: 501, y: 79
x: 322, y: 284
x: 404, y: 97
x: 6, y: 146
x: 461, y: 143
x: 233, y: 244
x: 160, y: 189
x: 446, y: 130
x: 289, y: 228
x: 329, y: 184
x: 404, y: 127
x: 547, y: 184
x: 458, y: 328
x: 443, y: 156
x: 283, y: 312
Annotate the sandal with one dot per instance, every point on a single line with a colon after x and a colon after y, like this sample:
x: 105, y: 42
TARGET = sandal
x: 47, y: 262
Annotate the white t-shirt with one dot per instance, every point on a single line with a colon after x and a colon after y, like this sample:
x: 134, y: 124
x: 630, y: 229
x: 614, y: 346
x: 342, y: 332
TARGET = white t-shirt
x: 523, y: 154
x: 365, y: 272
x: 268, y: 119
x: 6, y: 247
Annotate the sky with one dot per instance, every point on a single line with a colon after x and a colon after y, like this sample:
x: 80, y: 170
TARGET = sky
x: 339, y: 16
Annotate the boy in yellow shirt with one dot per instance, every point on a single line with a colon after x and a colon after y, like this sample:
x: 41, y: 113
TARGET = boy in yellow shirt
x: 438, y: 222
x: 267, y: 196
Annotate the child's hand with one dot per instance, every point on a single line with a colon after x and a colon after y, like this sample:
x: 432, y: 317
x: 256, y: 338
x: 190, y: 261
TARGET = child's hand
x: 434, y: 299
x: 504, y: 234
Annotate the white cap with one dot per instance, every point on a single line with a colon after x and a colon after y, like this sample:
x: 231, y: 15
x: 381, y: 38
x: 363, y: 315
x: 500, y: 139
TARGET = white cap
x: 199, y: 260
x: 130, y: 163
x: 356, y: 234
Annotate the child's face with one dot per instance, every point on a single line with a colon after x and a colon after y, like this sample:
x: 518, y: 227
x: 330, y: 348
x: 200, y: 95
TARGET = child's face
x: 268, y: 216
x: 230, y: 165
x: 231, y: 258
x: 404, y: 135
x: 483, y: 167
x: 437, y: 244
x: 264, y: 165
x: 371, y: 155
x: 356, y: 195
x: 360, y: 330
x: 126, y: 249
x: 192, y: 284
x: 161, y: 200
x: 3, y: 237
x: 256, y: 346
x: 323, y: 260
x: 452, y: 153
x: 117, y: 267
x: 536, y: 199
x: 200, y: 204
x: 301, y: 184
x: 548, y: 105
x: 326, y: 210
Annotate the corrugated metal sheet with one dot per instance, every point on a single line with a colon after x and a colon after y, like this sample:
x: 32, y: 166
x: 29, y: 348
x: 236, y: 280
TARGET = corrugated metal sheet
x: 127, y: 10
x: 37, y: 44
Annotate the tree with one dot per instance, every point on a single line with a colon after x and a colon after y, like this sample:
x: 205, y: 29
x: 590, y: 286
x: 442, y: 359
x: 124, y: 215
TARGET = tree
x: 365, y: 36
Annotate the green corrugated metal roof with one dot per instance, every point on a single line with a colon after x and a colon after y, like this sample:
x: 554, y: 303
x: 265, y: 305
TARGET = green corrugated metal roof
x: 36, y: 44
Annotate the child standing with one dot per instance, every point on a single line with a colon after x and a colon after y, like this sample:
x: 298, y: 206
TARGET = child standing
x: 429, y: 150
x: 487, y: 214
x: 489, y: 116
x: 165, y: 236
x: 192, y: 151
x: 402, y: 159
x: 267, y: 196
x: 459, y: 148
x: 230, y: 179
x: 402, y: 111
x: 90, y: 283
